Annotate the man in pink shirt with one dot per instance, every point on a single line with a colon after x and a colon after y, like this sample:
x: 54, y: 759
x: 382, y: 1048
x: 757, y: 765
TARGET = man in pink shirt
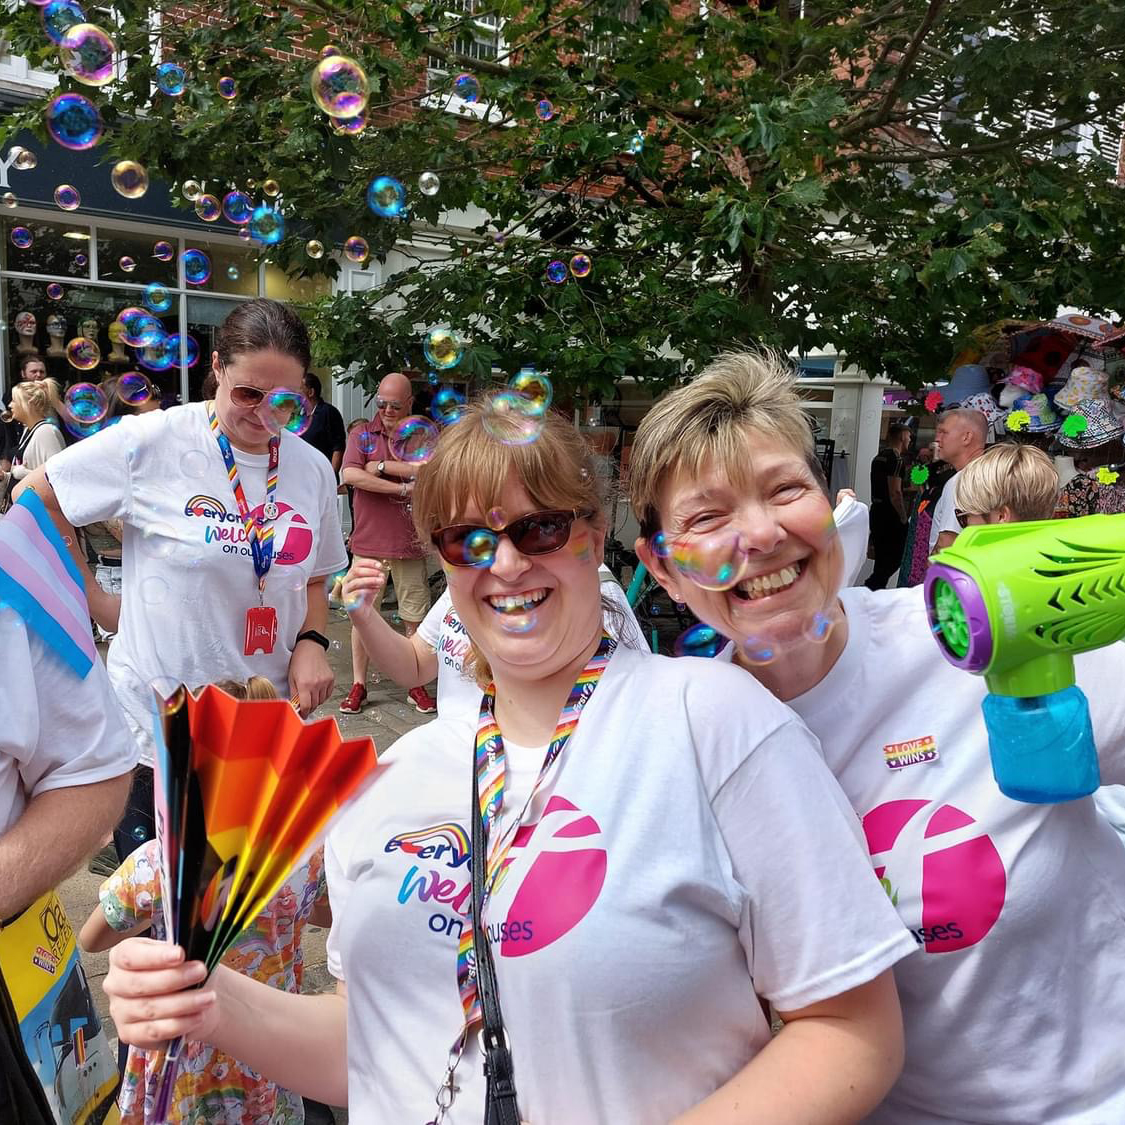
x: 383, y: 528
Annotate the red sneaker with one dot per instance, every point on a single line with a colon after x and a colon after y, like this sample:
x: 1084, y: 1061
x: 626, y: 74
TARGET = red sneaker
x: 422, y: 701
x: 353, y: 702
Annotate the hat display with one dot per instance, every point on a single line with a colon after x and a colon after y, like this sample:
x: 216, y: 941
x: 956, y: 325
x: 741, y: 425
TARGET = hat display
x: 1040, y: 418
x: 987, y: 406
x: 1101, y: 426
x: 968, y: 379
x: 1030, y: 380
x: 1084, y: 383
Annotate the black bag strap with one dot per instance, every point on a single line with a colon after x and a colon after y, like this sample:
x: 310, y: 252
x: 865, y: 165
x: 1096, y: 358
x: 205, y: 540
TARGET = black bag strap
x: 500, y: 1098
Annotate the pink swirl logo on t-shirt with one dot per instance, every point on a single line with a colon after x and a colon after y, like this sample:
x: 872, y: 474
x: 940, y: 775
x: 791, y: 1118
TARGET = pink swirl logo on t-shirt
x: 937, y: 857
x: 566, y: 867
x: 292, y: 536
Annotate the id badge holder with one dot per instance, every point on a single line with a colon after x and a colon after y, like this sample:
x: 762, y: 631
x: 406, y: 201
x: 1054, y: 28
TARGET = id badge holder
x: 261, y: 629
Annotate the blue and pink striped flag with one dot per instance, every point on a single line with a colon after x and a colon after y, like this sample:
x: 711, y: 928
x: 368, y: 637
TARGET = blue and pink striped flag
x: 40, y: 581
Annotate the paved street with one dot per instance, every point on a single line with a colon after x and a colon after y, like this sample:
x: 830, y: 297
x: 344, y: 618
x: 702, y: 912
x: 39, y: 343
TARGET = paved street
x: 386, y: 716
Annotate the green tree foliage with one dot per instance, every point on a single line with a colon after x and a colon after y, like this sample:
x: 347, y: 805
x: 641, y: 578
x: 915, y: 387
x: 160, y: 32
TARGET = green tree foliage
x: 871, y: 177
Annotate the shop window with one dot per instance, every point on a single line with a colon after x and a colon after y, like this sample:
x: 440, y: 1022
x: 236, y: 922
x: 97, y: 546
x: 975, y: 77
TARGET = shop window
x: 234, y: 267
x: 59, y: 249
x: 130, y: 257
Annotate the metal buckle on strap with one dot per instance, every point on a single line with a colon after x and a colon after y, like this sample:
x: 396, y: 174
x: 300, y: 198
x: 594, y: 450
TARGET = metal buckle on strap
x: 485, y: 1048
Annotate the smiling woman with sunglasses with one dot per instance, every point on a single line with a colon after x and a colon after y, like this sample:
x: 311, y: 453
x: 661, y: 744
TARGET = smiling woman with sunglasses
x: 230, y: 526
x: 665, y: 852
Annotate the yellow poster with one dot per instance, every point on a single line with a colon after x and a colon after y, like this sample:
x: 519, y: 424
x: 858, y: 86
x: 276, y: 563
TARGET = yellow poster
x: 62, y: 1034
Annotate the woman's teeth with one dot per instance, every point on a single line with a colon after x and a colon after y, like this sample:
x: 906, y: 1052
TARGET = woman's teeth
x: 516, y: 603
x: 762, y: 585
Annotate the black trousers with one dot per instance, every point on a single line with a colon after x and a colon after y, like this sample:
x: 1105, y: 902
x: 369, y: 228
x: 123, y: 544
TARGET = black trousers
x: 888, y: 535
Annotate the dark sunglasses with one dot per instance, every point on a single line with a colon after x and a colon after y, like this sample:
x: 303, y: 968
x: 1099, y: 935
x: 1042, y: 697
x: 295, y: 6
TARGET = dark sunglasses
x: 387, y: 404
x: 963, y: 517
x: 537, y: 533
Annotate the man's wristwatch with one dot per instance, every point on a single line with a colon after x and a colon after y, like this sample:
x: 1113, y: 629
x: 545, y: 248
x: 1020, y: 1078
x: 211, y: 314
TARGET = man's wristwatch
x: 312, y: 635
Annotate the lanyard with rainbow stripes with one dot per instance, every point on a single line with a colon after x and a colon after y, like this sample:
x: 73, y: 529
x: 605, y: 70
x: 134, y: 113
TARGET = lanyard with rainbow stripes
x: 258, y: 534
x: 491, y: 769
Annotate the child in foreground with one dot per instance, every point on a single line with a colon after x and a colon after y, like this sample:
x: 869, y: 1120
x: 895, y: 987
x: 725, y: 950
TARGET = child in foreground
x: 212, y: 1088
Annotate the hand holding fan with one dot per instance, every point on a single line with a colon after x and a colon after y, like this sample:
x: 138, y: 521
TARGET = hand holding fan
x: 244, y: 792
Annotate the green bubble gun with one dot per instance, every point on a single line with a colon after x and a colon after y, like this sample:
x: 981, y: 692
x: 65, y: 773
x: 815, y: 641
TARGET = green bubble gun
x: 1015, y: 602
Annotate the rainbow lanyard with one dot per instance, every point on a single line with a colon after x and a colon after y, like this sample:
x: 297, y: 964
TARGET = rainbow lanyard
x: 258, y: 533
x: 491, y: 769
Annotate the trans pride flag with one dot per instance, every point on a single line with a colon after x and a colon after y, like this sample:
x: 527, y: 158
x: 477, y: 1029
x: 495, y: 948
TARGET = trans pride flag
x: 40, y: 581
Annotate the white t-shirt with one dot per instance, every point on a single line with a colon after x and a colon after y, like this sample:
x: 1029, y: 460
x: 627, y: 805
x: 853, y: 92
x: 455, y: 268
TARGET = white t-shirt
x: 43, y: 442
x: 1014, y: 1010
x: 687, y: 850
x: 187, y: 574
x: 57, y: 730
x: 441, y: 629
x: 945, y: 511
x: 853, y: 526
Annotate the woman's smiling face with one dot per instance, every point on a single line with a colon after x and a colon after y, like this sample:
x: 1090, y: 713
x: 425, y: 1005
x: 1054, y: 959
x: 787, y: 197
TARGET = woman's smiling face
x: 770, y: 542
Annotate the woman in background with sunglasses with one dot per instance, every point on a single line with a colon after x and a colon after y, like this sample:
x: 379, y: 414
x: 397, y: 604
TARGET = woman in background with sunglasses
x: 667, y: 853
x: 229, y: 528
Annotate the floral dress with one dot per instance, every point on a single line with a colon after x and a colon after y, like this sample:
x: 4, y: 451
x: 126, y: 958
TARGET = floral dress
x: 212, y: 1088
x: 1085, y: 495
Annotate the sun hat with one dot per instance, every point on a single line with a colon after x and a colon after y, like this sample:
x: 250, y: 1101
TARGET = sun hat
x: 987, y: 406
x: 1026, y: 377
x: 1084, y: 383
x: 1033, y: 415
x: 968, y: 379
x: 1101, y: 426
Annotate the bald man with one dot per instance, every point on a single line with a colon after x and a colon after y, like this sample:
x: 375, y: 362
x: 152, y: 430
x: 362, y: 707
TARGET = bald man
x: 962, y: 436
x: 383, y: 527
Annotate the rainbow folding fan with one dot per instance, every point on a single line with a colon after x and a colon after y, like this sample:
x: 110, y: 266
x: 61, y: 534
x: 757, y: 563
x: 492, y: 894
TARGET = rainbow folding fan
x: 244, y: 792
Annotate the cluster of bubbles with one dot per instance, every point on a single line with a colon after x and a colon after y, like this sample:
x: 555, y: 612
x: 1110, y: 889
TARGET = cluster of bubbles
x: 129, y: 179
x: 87, y: 54
x: 414, y: 440
x: 73, y: 121
x: 386, y: 197
x: 339, y: 86
x: 580, y: 266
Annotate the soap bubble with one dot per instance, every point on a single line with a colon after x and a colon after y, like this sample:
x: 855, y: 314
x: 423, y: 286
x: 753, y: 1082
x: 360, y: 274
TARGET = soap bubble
x: 67, y: 197
x: 80, y: 430
x: 8, y: 199
x: 139, y: 328
x: 158, y: 540
x: 386, y: 197
x: 134, y: 389
x: 73, y: 121
x: 285, y: 410
x: 700, y: 640
x: 194, y: 464
x: 712, y: 562
x: 518, y: 621
x: 208, y: 208
x: 192, y: 190
x: 819, y: 627
x: 328, y: 51
x: 170, y: 79
x: 496, y: 519
x: 271, y: 188
x: 535, y: 387
x: 197, y: 267
x: 24, y: 159
x: 157, y: 297
x: 414, y: 440
x: 244, y: 233
x: 448, y: 406
x: 267, y: 225
x: 480, y: 548
x: 544, y: 110
x: 80, y: 259
x: 580, y: 265
x: 314, y: 249
x: 139, y: 833
x: 86, y: 53
x: 466, y: 87
x: 511, y: 419
x: 233, y: 272
x: 59, y: 16
x: 557, y: 272
x: 356, y: 249
x: 86, y: 403
x: 83, y: 354
x: 442, y: 347
x: 190, y: 348
x: 126, y: 263
x: 226, y: 87
x: 636, y: 144
x: 153, y: 589
x: 429, y: 183
x: 160, y: 355
x: 758, y: 651
x: 349, y: 126
x: 238, y: 207
x: 55, y: 291
x: 368, y: 443
x: 339, y: 86
x: 432, y: 378
x: 129, y: 179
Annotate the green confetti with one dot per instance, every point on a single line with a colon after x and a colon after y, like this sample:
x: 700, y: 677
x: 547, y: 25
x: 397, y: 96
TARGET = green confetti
x: 919, y: 474
x: 1107, y: 476
x: 1074, y: 425
x: 1018, y: 420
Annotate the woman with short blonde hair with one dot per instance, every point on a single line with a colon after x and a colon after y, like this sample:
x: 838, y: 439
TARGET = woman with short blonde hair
x: 1005, y: 484
x: 736, y: 524
x: 35, y: 406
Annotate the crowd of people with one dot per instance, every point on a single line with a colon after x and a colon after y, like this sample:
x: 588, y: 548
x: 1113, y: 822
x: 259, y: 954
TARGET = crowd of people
x: 655, y: 873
